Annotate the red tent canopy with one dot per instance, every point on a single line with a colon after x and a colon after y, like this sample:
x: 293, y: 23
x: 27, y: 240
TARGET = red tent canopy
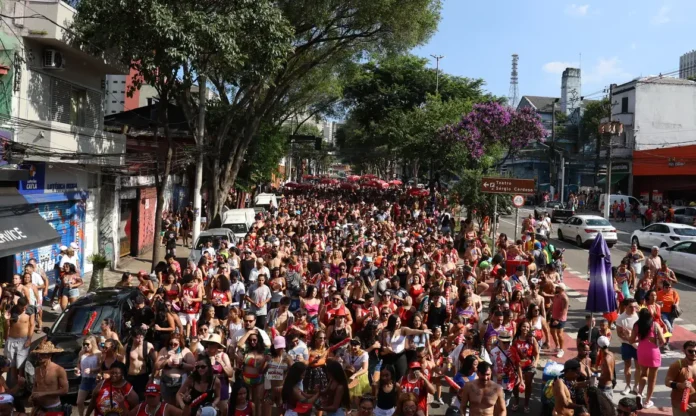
x: 291, y: 185
x: 396, y: 182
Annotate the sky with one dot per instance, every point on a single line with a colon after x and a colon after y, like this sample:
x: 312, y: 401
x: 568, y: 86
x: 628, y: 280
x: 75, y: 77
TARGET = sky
x: 612, y: 41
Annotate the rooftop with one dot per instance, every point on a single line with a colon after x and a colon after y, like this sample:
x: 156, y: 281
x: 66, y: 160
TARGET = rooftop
x: 541, y: 104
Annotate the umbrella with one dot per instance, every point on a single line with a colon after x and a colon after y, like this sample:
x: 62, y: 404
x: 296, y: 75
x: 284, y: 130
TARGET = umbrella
x: 600, y: 296
x: 353, y: 178
x: 396, y: 182
x: 291, y: 185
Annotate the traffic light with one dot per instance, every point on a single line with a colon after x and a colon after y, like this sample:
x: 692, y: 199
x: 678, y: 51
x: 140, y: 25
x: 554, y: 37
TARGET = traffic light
x: 317, y: 143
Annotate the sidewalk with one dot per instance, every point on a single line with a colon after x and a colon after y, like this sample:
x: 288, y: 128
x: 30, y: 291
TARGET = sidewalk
x: 143, y: 262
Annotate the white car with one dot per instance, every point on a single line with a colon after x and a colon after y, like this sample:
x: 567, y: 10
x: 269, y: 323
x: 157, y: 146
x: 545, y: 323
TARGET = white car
x: 663, y: 235
x: 583, y: 229
x: 681, y: 257
x: 215, y: 235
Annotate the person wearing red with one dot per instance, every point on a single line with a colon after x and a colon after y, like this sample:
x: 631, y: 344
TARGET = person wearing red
x: 114, y: 393
x: 191, y: 304
x: 416, y: 381
x: 525, y: 354
x: 153, y: 404
x: 329, y: 311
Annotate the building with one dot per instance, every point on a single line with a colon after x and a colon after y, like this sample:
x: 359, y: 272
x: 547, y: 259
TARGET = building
x: 116, y: 99
x: 52, y: 101
x: 687, y: 65
x: 658, y: 118
x: 329, y: 129
x: 570, y: 90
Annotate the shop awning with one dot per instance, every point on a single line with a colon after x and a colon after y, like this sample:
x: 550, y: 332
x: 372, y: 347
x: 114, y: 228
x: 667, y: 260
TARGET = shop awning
x: 21, y: 226
x: 615, y: 178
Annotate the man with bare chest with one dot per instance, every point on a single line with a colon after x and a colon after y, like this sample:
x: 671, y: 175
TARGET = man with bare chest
x: 483, y: 397
x: 534, y: 298
x: 677, y: 379
x: 563, y: 404
x: 140, y: 355
x: 19, y: 338
x: 50, y: 380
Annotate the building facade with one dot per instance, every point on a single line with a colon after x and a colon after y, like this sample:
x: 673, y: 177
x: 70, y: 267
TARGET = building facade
x: 687, y: 65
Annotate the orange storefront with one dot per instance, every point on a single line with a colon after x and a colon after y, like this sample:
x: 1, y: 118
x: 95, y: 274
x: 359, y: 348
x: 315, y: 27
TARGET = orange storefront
x: 669, y: 173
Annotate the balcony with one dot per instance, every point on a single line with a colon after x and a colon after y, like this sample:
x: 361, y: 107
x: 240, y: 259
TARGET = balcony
x: 41, y: 29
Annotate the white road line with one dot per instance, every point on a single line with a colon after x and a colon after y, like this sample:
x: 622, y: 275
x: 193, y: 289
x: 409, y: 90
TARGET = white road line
x: 688, y: 327
x: 573, y: 294
x: 582, y: 300
x: 573, y: 335
x: 576, y: 272
x: 678, y: 320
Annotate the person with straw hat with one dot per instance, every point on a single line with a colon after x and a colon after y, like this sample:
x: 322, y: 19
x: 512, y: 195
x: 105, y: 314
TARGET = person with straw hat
x: 50, y: 380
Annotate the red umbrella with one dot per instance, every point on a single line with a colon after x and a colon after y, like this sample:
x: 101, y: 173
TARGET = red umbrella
x: 396, y: 182
x: 307, y: 177
x: 346, y: 185
x: 292, y: 185
x: 369, y: 176
x: 418, y: 192
x: 353, y: 178
x: 326, y: 181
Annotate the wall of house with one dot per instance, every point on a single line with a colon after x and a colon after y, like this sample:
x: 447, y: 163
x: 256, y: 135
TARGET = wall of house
x: 146, y: 219
x: 664, y: 115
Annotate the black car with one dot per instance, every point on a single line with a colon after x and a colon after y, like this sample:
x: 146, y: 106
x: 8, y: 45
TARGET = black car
x: 68, y: 332
x: 555, y: 209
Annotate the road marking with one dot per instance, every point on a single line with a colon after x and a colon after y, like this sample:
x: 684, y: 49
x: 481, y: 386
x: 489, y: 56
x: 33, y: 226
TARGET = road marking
x: 573, y: 335
x: 576, y: 272
x: 678, y: 320
x: 688, y: 327
x: 573, y: 294
x: 582, y: 300
x: 485, y: 298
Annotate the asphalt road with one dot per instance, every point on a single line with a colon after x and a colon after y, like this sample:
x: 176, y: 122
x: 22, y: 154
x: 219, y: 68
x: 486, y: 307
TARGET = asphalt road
x: 575, y: 278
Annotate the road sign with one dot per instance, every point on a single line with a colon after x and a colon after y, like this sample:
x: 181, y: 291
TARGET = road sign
x: 507, y: 186
x: 518, y: 201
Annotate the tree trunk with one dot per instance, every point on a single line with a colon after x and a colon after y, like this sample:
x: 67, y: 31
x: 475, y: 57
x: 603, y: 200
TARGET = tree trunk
x: 97, y: 280
x: 161, y: 183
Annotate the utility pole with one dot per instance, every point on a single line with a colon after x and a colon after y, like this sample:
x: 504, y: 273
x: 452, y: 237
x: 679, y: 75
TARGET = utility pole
x: 553, y: 177
x: 608, y: 176
x: 200, y: 140
x: 437, y: 72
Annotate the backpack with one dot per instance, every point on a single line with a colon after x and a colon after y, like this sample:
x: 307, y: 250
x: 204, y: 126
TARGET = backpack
x: 294, y: 283
x: 547, y: 393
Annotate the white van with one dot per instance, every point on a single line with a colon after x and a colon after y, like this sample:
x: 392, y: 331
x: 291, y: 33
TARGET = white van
x: 266, y: 201
x: 629, y: 200
x: 239, y: 221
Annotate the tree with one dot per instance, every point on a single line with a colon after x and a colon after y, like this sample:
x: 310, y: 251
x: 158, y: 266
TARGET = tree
x: 326, y: 36
x: 384, y: 96
x: 162, y: 40
x: 594, y: 112
x: 478, y: 204
x: 492, y: 126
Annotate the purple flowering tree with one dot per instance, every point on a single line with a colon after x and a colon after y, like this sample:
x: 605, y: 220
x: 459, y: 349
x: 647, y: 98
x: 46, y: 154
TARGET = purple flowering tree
x: 493, y: 126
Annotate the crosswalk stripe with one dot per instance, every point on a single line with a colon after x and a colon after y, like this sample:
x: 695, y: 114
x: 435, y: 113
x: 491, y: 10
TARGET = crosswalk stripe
x: 688, y: 327
x: 573, y: 294
x: 582, y: 299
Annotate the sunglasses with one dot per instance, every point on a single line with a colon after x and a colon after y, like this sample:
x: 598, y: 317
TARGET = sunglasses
x: 249, y: 321
x: 691, y: 352
x: 201, y: 367
x: 174, y: 345
x: 85, y: 345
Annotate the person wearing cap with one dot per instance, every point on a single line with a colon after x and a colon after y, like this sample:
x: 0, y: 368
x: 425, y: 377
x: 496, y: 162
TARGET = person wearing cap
x: 7, y: 405
x: 668, y: 299
x: 606, y: 368
x: 221, y: 365
x: 483, y: 396
x: 70, y: 257
x: 504, y: 368
x: 153, y: 404
x: 276, y: 371
x: 416, y: 381
x: 559, y: 316
x: 563, y: 402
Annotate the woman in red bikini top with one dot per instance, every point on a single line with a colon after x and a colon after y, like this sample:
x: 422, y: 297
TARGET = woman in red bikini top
x: 171, y: 289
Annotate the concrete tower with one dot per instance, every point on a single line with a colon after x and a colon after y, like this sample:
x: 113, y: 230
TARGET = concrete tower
x: 570, y: 90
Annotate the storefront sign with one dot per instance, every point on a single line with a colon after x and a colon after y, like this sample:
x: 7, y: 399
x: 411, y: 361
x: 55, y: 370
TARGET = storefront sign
x: 14, y: 234
x: 37, y: 178
x: 674, y: 163
x: 619, y: 167
x: 137, y: 181
x: 507, y: 186
x: 61, y: 186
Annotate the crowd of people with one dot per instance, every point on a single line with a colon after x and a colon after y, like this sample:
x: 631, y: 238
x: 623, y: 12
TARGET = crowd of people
x: 366, y: 301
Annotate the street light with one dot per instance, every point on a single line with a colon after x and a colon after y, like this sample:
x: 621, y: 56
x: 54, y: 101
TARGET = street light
x: 437, y: 71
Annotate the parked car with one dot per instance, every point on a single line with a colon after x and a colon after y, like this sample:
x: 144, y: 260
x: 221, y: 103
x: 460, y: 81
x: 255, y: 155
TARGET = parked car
x: 81, y: 318
x: 583, y: 229
x: 555, y: 209
x: 663, y: 235
x: 681, y: 258
x: 215, y: 235
x: 685, y: 215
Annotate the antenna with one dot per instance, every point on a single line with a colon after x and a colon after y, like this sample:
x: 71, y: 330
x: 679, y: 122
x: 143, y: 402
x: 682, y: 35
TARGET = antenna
x: 514, y: 94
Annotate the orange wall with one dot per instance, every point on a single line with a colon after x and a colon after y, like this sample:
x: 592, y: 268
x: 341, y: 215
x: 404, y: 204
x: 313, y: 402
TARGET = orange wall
x: 656, y: 162
x: 131, y: 103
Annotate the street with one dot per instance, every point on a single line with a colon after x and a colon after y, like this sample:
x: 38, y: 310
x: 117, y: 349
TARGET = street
x: 575, y: 278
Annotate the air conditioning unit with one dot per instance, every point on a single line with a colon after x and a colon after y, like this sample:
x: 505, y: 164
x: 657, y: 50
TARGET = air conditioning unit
x: 53, y: 59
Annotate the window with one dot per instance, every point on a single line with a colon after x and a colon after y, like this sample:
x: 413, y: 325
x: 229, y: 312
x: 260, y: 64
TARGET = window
x: 114, y: 101
x: 651, y: 229
x: 115, y: 82
x: 683, y: 247
x: 600, y: 222
x: 115, y: 92
x: 624, y: 105
x: 122, y: 102
x: 123, y: 82
x: 78, y: 104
